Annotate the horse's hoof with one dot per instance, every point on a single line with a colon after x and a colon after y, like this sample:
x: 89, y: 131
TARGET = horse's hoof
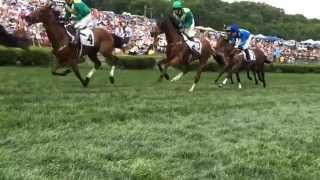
x: 220, y: 86
x: 215, y: 82
x: 167, y: 77
x: 86, y: 82
x: 111, y: 79
x: 67, y: 72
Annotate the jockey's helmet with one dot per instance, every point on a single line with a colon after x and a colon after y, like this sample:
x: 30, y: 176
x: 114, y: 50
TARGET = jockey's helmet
x: 234, y: 28
x: 177, y: 5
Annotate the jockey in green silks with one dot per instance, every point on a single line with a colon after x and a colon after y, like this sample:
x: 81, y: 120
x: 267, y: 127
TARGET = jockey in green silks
x: 186, y: 26
x: 81, y: 13
x: 186, y: 19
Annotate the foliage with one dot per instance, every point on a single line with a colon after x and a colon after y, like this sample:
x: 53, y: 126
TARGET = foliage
x: 34, y: 56
x: 257, y: 17
x: 43, y: 57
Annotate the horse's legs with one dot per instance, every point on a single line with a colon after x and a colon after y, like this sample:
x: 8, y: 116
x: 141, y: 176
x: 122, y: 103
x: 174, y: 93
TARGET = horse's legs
x: 220, y: 74
x: 114, y: 61
x: 55, y: 67
x: 97, y: 64
x: 202, y: 65
x: 75, y: 69
x: 248, y: 74
x: 255, y: 77
x: 181, y: 74
x: 231, y: 79
x: 236, y: 69
x: 238, y: 79
x: 263, y: 79
x: 162, y: 70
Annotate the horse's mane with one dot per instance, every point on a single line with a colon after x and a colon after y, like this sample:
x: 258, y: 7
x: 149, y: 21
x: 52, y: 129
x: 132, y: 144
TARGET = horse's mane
x: 11, y: 40
x: 173, y: 21
x: 2, y: 30
x: 167, y: 21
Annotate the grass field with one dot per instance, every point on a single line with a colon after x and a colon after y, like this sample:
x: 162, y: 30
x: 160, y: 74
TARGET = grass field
x: 52, y: 128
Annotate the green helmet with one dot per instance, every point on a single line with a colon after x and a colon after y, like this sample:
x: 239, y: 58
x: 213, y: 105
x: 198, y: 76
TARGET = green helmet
x: 177, y: 5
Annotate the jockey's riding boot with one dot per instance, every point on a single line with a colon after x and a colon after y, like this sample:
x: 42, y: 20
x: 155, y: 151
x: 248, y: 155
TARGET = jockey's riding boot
x: 247, y: 54
x: 76, y: 37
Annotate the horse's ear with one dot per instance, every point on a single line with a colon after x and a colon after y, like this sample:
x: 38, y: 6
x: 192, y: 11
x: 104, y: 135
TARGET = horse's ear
x: 224, y: 27
x: 50, y: 4
x: 223, y: 34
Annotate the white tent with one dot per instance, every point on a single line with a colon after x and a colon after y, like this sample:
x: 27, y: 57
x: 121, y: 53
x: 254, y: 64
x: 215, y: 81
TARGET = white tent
x: 204, y: 28
x: 260, y: 36
x: 309, y: 41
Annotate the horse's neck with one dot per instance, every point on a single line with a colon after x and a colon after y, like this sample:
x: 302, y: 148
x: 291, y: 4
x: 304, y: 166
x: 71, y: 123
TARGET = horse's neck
x: 56, y: 34
x: 171, y: 35
x: 224, y: 47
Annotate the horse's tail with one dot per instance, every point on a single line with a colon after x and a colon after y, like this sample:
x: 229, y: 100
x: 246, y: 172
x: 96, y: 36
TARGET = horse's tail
x: 267, y: 61
x: 217, y: 56
x: 219, y: 59
x: 11, y: 40
x: 118, y: 41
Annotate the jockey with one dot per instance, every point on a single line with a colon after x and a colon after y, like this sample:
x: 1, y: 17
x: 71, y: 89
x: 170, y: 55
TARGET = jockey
x: 82, y: 15
x: 185, y: 19
x: 244, y: 36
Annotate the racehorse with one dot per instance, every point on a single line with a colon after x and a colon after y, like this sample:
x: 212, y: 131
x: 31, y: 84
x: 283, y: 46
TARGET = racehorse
x: 67, y: 54
x: 18, y: 40
x: 178, y: 53
x: 235, y: 61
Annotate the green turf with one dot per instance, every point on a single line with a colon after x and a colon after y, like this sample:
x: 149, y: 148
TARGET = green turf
x: 52, y: 128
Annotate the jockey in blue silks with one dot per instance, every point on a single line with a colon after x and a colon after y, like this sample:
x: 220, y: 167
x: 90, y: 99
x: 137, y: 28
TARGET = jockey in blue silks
x: 243, y: 36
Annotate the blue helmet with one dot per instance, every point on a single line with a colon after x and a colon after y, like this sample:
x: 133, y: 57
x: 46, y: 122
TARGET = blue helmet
x: 233, y: 28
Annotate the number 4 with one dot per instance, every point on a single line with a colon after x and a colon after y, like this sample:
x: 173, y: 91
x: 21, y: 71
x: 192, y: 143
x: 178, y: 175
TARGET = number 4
x: 90, y: 39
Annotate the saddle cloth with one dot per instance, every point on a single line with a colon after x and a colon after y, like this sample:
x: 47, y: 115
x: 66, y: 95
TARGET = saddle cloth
x: 86, y: 37
x: 193, y: 45
x: 252, y: 55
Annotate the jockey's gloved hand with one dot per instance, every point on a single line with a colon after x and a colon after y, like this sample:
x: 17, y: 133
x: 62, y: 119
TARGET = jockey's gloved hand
x: 64, y: 20
x: 180, y: 26
x: 67, y: 8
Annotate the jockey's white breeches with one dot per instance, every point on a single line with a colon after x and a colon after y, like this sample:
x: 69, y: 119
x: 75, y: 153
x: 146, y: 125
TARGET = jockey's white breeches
x: 190, y: 32
x: 84, y: 22
x: 247, y: 43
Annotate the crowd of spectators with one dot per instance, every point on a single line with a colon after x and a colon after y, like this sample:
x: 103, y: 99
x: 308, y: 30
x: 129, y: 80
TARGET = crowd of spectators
x: 135, y: 31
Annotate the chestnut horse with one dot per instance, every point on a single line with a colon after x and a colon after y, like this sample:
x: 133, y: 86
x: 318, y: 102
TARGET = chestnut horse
x: 178, y: 53
x: 18, y: 40
x: 235, y: 62
x: 67, y: 54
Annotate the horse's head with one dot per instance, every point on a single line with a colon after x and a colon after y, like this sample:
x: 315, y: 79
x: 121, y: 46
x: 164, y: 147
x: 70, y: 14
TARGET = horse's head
x: 165, y: 25
x: 224, y: 42
x: 156, y: 30
x: 46, y: 14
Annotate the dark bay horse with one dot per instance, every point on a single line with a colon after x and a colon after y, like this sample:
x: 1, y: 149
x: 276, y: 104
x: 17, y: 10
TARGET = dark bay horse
x: 178, y: 52
x: 235, y: 61
x: 17, y: 40
x: 67, y: 54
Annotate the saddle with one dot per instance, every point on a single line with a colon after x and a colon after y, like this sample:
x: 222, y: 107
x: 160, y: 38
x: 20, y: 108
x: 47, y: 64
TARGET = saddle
x: 252, y: 56
x: 194, y: 45
x: 86, y: 36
